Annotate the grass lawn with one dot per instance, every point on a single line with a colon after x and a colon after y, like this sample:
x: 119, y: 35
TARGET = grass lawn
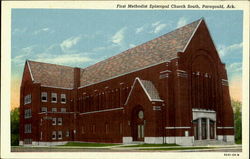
x: 150, y: 145
x: 179, y: 148
x: 88, y: 144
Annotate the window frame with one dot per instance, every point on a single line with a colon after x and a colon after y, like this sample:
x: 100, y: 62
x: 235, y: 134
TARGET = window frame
x: 63, y: 96
x: 27, y: 113
x: 44, y: 94
x: 54, y: 121
x: 59, y: 121
x: 54, y: 133
x: 44, y: 111
x: 27, y: 99
x: 53, y: 109
x: 59, y: 133
x: 53, y: 95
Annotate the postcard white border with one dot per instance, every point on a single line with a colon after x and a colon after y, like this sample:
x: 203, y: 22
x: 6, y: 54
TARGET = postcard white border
x: 6, y: 75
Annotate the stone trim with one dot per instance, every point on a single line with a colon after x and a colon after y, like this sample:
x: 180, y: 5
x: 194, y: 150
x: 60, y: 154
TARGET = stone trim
x: 184, y: 127
x: 105, y: 110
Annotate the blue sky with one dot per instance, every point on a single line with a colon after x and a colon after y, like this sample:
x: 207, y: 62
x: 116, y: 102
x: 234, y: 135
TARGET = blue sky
x: 84, y: 37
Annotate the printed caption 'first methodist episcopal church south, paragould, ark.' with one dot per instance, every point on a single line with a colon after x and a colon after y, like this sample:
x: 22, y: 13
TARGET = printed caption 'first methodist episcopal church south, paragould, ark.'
x: 172, y: 89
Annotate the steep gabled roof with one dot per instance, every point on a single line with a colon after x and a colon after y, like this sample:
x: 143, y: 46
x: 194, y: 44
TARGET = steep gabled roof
x: 51, y: 74
x: 150, y: 53
x: 148, y: 88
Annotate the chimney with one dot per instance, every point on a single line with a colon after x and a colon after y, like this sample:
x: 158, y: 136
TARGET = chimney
x: 76, y: 77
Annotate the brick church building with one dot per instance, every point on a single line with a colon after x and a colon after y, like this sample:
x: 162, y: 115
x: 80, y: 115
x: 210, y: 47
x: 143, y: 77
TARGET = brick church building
x: 172, y: 89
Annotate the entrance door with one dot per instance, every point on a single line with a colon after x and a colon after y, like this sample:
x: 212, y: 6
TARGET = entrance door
x: 138, y: 126
x: 140, y: 135
x: 204, y: 128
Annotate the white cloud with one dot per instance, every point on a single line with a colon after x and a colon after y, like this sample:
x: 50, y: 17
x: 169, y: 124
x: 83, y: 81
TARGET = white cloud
x: 132, y: 45
x: 181, y: 22
x: 234, y: 67
x: 157, y: 27
x: 63, y: 59
x: 139, y: 30
x: 70, y: 42
x: 155, y: 23
x: 118, y: 37
x: 24, y: 54
x: 41, y: 30
x: 224, y: 50
x: 19, y: 30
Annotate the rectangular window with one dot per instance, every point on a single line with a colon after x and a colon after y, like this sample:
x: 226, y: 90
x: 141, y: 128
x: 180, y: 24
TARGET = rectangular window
x: 63, y: 109
x: 44, y: 109
x: 27, y: 141
x: 44, y: 96
x: 54, y: 109
x: 27, y: 99
x: 53, y: 97
x: 53, y: 121
x: 27, y: 128
x: 63, y: 98
x: 59, y: 121
x: 59, y: 134
x: 27, y: 113
x: 54, y: 135
x: 67, y: 133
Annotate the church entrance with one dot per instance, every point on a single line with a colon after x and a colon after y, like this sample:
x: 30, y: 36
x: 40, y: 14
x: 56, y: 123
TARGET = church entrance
x: 138, y: 125
x: 204, y: 129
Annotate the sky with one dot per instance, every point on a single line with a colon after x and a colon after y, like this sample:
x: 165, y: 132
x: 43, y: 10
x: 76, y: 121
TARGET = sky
x: 81, y: 37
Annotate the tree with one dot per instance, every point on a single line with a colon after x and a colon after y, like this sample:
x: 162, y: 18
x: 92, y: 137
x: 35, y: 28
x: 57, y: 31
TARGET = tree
x: 14, y: 127
x: 237, y: 120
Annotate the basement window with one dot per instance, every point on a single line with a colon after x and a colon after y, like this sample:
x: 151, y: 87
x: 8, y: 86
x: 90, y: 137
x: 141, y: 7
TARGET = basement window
x: 53, y: 97
x: 59, y: 134
x: 54, y: 135
x: 44, y: 96
x: 63, y: 98
x: 67, y: 133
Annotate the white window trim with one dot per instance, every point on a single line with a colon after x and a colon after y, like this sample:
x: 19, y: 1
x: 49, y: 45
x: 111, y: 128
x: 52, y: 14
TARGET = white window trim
x: 52, y: 95
x: 64, y: 98
x: 42, y: 109
x: 54, y: 133
x: 27, y: 99
x: 60, y: 121
x: 59, y: 132
x: 53, y: 121
x: 54, y: 109
x: 63, y: 109
x: 44, y: 94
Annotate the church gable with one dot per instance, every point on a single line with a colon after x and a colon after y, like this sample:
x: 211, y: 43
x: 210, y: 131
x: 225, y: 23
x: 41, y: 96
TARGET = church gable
x: 144, y: 88
x: 201, y: 40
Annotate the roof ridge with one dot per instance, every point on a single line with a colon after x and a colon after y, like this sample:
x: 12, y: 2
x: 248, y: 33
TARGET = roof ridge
x: 146, y: 42
x: 49, y: 63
